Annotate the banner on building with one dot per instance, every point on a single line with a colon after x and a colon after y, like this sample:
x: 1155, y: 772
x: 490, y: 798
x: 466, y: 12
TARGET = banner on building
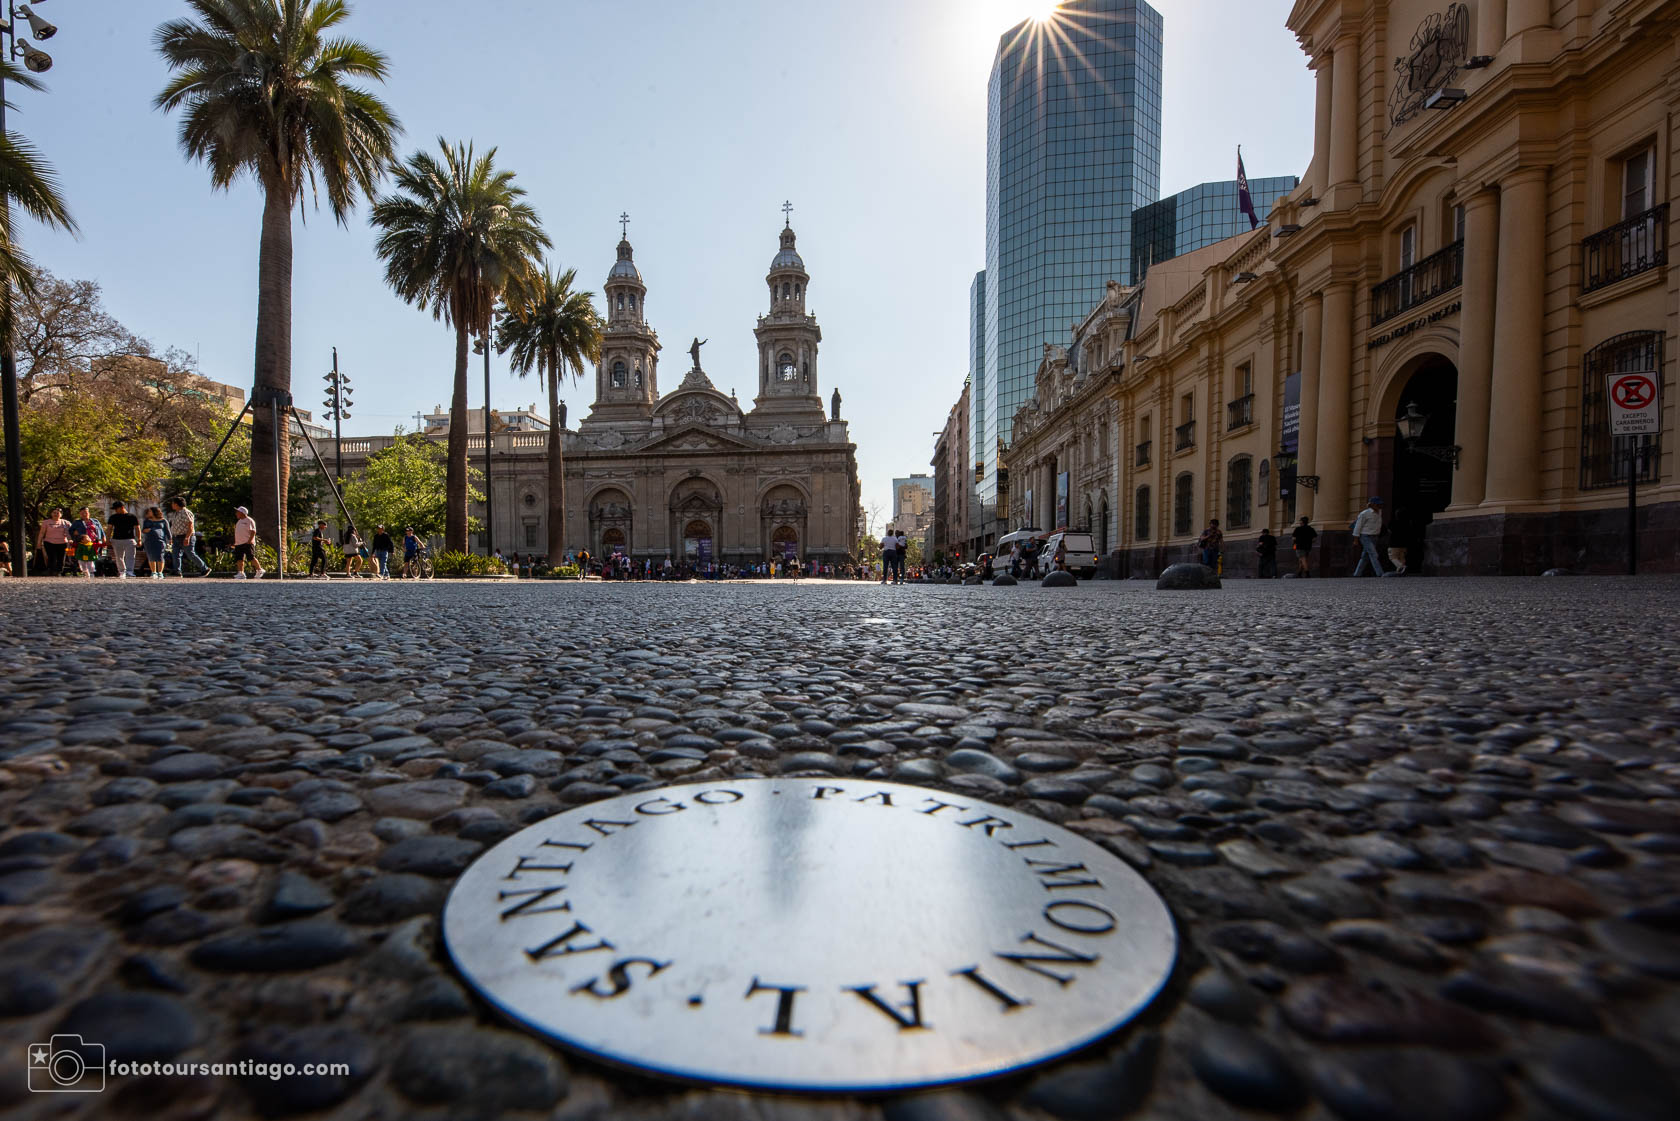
x: 1292, y: 414
x: 1062, y: 499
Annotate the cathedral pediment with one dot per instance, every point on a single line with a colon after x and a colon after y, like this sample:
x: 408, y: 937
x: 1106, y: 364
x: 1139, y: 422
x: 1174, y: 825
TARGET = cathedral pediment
x: 696, y: 437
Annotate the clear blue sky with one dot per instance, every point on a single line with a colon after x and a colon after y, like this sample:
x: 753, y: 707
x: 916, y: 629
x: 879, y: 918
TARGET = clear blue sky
x: 699, y: 119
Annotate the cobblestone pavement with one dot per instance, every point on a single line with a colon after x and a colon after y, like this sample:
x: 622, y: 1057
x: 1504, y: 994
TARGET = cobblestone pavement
x: 1422, y: 838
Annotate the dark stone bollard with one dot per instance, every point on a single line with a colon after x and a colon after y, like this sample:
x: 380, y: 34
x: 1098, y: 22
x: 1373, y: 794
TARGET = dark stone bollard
x: 1003, y: 581
x: 1060, y: 580
x: 1187, y: 577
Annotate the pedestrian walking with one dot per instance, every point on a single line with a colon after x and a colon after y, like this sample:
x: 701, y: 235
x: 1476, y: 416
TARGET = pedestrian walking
x: 125, y: 534
x: 84, y: 524
x: 1303, y: 537
x: 154, y: 537
x: 318, y: 549
x: 1266, y: 550
x: 1366, y: 527
x: 86, y: 554
x: 382, y: 550
x: 183, y: 525
x: 244, y: 545
x: 1210, y: 543
x: 354, y: 553
x: 53, y: 540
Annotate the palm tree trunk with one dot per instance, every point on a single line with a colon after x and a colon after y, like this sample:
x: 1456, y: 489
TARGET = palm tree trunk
x: 556, y: 469
x: 273, y: 364
x: 455, y: 518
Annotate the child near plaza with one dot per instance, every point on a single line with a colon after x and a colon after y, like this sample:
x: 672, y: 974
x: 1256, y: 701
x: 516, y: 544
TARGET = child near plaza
x: 86, y: 553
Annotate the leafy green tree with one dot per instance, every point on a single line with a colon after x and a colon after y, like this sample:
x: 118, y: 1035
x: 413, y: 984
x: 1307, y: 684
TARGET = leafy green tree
x: 77, y: 449
x: 406, y: 484
x: 453, y: 237
x: 266, y: 92
x: 913, y: 553
x: 553, y: 330
x: 870, y: 549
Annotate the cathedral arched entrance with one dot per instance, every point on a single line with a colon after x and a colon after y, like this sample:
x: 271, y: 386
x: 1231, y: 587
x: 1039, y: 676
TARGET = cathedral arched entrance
x: 699, y: 543
x: 1421, y: 474
x: 611, y: 522
x: 696, y: 515
x: 784, y: 543
x: 784, y: 521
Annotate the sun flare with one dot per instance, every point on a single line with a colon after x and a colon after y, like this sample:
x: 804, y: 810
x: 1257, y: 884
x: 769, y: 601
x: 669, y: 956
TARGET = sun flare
x: 1041, y: 10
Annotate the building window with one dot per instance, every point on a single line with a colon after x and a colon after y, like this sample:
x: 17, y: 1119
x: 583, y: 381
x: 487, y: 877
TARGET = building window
x: 1241, y: 406
x: 785, y: 369
x: 1184, y: 436
x: 1637, y: 172
x: 1604, y: 459
x: 1239, y: 493
x: 1457, y: 223
x: 632, y: 301
x: 1140, y: 526
x: 1184, y: 504
x: 530, y: 536
x: 1102, y: 527
x: 1265, y: 481
x: 1408, y: 248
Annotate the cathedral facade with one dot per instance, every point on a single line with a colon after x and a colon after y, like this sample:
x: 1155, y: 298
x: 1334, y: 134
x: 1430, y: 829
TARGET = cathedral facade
x: 689, y: 474
x: 686, y: 475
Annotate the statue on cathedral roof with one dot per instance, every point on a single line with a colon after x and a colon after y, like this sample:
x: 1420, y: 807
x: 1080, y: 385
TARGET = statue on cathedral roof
x: 695, y: 349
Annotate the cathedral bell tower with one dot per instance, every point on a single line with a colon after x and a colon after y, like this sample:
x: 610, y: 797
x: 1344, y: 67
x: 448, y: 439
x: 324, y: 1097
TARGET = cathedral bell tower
x: 626, y: 381
x: 787, y: 337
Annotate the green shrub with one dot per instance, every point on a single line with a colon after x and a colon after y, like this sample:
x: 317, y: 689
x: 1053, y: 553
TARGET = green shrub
x: 467, y: 564
x: 564, y: 572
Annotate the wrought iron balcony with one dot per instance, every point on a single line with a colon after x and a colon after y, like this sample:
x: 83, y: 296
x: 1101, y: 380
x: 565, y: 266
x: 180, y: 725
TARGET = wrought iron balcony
x: 1625, y: 249
x: 1240, y: 413
x: 1143, y: 453
x: 1184, y: 436
x: 1406, y: 289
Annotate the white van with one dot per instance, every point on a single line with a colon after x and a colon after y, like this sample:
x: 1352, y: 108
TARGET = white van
x: 1081, y: 553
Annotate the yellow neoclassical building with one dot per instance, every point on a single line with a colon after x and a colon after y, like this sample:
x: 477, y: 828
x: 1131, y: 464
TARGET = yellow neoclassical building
x: 1483, y: 236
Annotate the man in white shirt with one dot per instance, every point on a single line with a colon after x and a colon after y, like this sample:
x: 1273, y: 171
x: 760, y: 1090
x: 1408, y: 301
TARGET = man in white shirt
x: 1366, y: 527
x: 244, y: 545
x: 901, y: 548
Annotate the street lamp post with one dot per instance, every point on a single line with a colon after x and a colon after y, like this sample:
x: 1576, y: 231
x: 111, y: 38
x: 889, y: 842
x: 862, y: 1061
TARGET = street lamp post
x: 338, y: 407
x: 40, y: 62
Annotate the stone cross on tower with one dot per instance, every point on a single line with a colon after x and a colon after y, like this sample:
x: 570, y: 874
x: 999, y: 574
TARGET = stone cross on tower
x: 787, y: 213
x: 624, y: 225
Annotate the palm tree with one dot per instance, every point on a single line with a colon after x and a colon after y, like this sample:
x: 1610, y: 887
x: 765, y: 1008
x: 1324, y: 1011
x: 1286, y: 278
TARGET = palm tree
x: 26, y: 180
x: 267, y: 93
x: 553, y: 330
x: 454, y: 236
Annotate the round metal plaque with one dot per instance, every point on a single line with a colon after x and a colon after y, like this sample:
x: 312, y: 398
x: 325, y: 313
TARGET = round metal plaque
x: 801, y: 934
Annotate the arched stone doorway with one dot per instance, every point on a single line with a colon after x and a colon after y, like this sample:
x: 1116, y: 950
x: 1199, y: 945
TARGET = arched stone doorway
x: 784, y: 543
x: 1421, y: 483
x: 611, y: 522
x: 696, y: 502
x: 783, y: 520
x: 699, y: 543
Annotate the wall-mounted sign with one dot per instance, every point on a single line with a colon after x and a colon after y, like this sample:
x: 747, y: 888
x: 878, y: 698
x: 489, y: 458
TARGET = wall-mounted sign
x: 1417, y: 324
x: 1291, y: 413
x: 809, y: 934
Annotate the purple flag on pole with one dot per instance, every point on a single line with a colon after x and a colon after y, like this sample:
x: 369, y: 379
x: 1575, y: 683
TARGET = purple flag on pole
x: 1245, y: 201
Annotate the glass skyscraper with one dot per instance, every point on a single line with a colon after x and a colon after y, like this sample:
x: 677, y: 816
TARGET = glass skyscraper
x: 1200, y: 216
x: 1073, y: 147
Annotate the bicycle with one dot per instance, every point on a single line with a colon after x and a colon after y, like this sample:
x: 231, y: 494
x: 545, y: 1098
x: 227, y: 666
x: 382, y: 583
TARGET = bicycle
x: 420, y: 568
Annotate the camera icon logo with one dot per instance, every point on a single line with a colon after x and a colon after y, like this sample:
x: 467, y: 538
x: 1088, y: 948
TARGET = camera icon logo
x: 66, y: 1065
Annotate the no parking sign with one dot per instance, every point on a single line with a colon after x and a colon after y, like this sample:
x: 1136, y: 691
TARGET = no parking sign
x: 1634, y: 404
